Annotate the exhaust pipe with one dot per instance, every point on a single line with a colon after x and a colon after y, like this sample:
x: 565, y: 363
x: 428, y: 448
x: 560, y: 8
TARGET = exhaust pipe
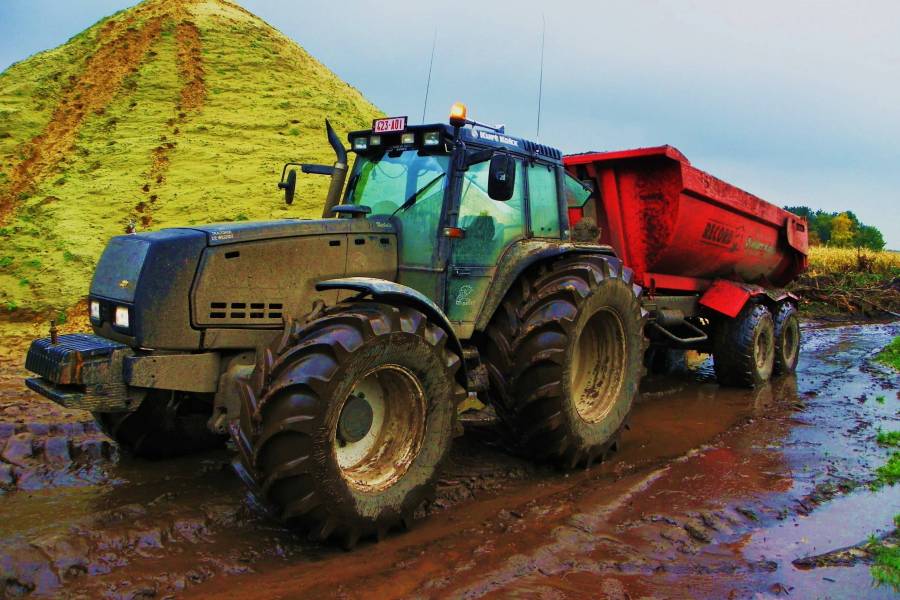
x: 340, y: 172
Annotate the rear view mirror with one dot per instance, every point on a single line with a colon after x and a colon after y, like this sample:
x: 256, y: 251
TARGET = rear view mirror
x: 289, y: 185
x: 501, y: 177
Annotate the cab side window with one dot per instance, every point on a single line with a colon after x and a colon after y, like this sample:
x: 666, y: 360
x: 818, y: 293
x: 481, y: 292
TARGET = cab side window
x: 543, y: 201
x: 490, y: 225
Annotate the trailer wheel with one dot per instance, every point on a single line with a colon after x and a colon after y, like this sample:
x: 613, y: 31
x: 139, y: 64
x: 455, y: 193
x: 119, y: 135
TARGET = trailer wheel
x: 564, y: 355
x: 345, y: 422
x: 787, y: 339
x: 744, y: 347
x: 165, y: 425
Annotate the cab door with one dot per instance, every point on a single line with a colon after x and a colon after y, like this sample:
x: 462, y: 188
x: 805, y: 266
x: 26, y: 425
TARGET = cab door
x: 490, y: 227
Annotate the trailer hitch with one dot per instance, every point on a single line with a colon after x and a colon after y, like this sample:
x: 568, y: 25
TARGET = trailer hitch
x: 700, y: 337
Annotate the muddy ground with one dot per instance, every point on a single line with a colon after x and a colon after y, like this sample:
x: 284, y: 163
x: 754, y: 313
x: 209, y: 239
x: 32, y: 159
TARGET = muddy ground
x: 715, y: 493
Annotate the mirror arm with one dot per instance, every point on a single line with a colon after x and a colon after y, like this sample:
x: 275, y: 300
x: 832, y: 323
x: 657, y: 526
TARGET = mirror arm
x: 317, y: 169
x: 308, y: 168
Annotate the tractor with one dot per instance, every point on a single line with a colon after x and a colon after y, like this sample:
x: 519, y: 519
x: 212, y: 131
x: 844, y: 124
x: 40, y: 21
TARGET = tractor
x: 335, y: 352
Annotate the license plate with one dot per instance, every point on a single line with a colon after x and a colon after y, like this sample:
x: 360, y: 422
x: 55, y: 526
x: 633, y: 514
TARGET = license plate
x: 388, y: 125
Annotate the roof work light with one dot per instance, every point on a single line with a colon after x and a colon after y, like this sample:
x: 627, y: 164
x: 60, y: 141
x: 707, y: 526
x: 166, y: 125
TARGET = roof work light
x: 458, y: 114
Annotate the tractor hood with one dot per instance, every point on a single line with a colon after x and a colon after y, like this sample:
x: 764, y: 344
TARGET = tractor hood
x: 231, y: 233
x: 184, y: 287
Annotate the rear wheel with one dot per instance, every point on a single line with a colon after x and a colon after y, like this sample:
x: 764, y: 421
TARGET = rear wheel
x: 564, y: 353
x: 744, y: 347
x: 345, y: 423
x: 165, y: 425
x: 787, y: 339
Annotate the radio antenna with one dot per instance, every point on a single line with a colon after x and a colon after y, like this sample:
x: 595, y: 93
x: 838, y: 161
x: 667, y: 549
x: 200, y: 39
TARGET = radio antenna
x: 428, y: 81
x: 541, y: 79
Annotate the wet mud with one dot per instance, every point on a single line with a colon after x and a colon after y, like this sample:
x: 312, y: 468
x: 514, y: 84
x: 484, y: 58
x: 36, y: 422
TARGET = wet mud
x: 714, y: 493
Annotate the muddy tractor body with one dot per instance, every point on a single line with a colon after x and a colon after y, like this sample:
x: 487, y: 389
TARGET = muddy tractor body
x: 451, y: 259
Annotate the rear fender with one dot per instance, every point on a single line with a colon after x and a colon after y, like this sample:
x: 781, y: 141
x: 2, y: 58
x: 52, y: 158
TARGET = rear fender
x: 394, y: 293
x: 729, y: 297
x: 520, y: 257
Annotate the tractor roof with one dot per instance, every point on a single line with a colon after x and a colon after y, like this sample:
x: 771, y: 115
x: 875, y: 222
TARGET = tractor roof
x: 474, y: 134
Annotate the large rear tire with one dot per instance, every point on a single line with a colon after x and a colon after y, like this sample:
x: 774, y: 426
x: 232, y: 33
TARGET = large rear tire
x: 165, y: 425
x: 787, y: 339
x: 744, y: 347
x: 564, y: 354
x: 345, y: 422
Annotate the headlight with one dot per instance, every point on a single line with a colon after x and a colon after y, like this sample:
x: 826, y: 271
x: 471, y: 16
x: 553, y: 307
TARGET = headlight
x: 431, y: 138
x: 121, y: 319
x: 95, y: 310
x: 360, y: 143
x: 408, y: 138
x: 375, y: 140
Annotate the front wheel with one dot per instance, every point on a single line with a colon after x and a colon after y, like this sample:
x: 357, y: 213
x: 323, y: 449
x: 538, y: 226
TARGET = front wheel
x: 345, y: 423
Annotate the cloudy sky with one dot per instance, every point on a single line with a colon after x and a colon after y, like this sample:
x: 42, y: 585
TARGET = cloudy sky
x: 798, y: 102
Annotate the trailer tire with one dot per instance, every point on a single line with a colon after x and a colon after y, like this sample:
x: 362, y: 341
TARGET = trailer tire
x: 787, y: 339
x: 744, y: 347
x: 565, y: 357
x: 165, y: 425
x: 318, y: 440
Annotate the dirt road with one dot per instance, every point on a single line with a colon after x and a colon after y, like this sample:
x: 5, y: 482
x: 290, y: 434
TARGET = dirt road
x: 714, y: 493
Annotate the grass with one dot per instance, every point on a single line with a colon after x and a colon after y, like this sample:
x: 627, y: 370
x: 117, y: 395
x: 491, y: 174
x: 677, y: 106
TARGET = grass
x: 888, y: 473
x: 266, y: 104
x: 843, y: 280
x: 886, y: 570
x: 891, y: 354
x: 824, y: 260
x: 888, y: 438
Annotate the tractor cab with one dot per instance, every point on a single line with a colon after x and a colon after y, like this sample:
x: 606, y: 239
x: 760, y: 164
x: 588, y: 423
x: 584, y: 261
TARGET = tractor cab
x: 460, y: 195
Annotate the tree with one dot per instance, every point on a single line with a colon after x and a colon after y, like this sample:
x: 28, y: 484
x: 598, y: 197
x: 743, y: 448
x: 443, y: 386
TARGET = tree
x: 822, y: 225
x: 842, y: 230
x: 801, y: 211
x: 869, y: 237
x: 838, y: 229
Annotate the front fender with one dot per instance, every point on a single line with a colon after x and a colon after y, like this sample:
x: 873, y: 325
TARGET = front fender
x: 391, y: 292
x: 519, y: 257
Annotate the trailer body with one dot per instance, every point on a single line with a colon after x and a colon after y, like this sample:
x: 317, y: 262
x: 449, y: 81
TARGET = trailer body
x: 685, y: 232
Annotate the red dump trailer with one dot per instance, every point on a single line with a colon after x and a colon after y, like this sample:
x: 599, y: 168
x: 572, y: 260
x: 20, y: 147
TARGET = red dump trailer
x: 710, y: 257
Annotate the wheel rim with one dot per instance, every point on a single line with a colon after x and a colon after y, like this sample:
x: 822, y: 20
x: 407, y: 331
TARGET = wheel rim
x: 598, y: 366
x: 764, y: 350
x: 375, y: 447
x: 791, y: 340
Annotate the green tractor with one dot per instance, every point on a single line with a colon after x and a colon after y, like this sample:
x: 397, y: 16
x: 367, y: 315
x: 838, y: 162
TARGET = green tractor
x: 336, y: 351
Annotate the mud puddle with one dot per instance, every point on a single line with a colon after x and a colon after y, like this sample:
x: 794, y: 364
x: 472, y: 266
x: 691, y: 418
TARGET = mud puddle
x: 714, y: 493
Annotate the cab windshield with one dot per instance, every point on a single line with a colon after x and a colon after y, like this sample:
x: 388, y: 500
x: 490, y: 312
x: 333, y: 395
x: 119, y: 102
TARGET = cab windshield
x: 384, y: 183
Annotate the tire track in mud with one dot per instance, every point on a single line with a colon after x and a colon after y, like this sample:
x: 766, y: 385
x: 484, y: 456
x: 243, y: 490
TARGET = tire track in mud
x: 190, y: 101
x: 122, y: 48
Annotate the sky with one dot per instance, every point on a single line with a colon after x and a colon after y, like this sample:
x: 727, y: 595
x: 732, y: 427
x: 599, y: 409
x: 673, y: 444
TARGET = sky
x: 797, y: 102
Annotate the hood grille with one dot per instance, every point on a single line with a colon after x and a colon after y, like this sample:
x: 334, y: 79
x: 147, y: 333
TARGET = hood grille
x: 242, y: 312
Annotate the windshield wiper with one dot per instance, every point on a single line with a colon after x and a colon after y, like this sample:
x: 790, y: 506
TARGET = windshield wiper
x: 415, y: 195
